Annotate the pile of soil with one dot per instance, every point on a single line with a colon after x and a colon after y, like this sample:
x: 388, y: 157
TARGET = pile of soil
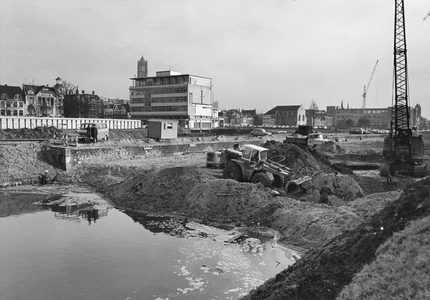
x: 296, y: 157
x: 24, y: 160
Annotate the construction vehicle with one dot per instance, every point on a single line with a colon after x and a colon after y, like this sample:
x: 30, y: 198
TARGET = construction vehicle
x: 311, y: 140
x: 304, y: 129
x: 402, y: 149
x: 254, y: 166
x: 220, y: 158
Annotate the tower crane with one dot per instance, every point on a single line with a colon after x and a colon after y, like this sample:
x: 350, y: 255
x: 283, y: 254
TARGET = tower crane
x: 366, y: 87
x: 402, y: 150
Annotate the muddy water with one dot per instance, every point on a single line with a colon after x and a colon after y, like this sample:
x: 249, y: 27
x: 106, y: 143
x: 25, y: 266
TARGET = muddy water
x: 103, y: 253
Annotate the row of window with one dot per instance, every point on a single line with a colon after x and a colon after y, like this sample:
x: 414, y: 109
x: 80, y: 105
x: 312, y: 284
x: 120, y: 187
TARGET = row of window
x: 368, y: 117
x: 367, y: 111
x: 158, y: 108
x: 170, y: 90
x: 14, y: 112
x: 5, y: 96
x: 161, y: 81
x: 160, y: 100
x: 4, y: 103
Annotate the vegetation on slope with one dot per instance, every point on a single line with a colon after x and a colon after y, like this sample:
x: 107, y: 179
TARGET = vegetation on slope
x: 323, y: 272
x: 400, y: 269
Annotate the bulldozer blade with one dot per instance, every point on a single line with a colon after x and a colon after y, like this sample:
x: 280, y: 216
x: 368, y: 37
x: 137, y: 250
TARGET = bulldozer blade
x: 301, y: 180
x: 294, y: 187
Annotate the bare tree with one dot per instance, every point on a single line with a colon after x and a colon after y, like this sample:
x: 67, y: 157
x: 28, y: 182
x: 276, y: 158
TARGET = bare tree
x: 65, y: 88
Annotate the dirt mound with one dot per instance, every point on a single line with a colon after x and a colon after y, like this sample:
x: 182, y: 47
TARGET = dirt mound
x: 23, y: 160
x: 190, y: 191
x: 296, y: 158
x: 323, y: 273
x: 227, y: 201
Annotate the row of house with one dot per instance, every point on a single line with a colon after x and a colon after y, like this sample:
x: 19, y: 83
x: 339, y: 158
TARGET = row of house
x: 46, y: 101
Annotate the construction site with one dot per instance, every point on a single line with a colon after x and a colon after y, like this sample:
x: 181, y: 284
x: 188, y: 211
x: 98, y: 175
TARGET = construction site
x: 340, y: 243
x: 355, y: 208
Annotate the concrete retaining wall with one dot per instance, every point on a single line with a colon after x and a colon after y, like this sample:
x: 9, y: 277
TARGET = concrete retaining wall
x: 68, y: 157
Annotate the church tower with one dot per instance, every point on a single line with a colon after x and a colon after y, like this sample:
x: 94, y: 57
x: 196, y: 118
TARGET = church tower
x: 142, y: 68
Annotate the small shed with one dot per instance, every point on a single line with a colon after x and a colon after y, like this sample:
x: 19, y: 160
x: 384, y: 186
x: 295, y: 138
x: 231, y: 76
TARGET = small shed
x: 162, y: 129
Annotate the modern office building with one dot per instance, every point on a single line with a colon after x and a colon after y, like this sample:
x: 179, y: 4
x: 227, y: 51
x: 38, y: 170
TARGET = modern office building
x: 379, y: 118
x: 172, y: 95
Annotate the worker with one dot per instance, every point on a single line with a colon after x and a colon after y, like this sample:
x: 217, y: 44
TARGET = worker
x: 389, y: 181
x: 88, y: 133
x: 94, y: 133
x: 336, y: 181
x: 324, y: 192
x: 44, y: 178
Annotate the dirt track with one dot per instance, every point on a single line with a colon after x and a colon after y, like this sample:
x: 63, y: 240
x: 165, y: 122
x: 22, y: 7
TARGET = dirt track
x: 181, y: 185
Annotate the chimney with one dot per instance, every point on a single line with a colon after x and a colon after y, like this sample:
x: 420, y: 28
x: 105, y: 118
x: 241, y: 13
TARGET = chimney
x: 93, y: 92
x: 83, y: 91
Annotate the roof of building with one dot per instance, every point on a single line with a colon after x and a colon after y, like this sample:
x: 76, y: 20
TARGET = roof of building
x: 176, y: 75
x: 163, y: 120
x: 10, y: 90
x: 283, y: 108
x: 37, y: 88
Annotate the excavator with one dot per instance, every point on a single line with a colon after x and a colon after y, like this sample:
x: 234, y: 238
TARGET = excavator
x: 402, y: 149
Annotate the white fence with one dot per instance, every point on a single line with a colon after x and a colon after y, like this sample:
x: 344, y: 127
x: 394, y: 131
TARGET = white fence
x: 63, y: 123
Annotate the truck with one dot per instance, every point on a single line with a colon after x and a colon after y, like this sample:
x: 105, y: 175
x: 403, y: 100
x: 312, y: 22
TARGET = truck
x: 304, y: 129
x: 310, y: 140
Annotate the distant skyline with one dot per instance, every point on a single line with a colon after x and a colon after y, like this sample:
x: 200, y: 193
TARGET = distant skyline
x: 259, y: 54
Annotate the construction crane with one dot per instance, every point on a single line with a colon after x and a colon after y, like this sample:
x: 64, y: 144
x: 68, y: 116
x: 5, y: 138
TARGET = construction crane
x: 402, y: 149
x: 366, y: 87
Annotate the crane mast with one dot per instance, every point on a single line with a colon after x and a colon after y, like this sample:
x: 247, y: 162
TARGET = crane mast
x: 401, y: 105
x: 366, y: 88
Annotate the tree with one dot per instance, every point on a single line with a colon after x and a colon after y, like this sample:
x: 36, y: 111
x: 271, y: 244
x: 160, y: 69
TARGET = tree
x: 64, y: 88
x: 363, y: 122
x: 349, y: 123
x: 313, y: 110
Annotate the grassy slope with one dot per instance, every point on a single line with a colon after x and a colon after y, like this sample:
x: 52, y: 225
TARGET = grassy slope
x: 324, y: 272
x: 400, y: 270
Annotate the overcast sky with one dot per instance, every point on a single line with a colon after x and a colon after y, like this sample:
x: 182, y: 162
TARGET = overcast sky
x: 259, y: 54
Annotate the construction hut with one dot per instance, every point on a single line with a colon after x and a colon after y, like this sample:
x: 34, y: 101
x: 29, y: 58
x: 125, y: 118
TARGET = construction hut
x: 162, y: 129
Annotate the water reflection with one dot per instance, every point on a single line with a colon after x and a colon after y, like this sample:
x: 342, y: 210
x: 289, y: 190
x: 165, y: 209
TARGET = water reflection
x: 73, y: 207
x: 15, y: 203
